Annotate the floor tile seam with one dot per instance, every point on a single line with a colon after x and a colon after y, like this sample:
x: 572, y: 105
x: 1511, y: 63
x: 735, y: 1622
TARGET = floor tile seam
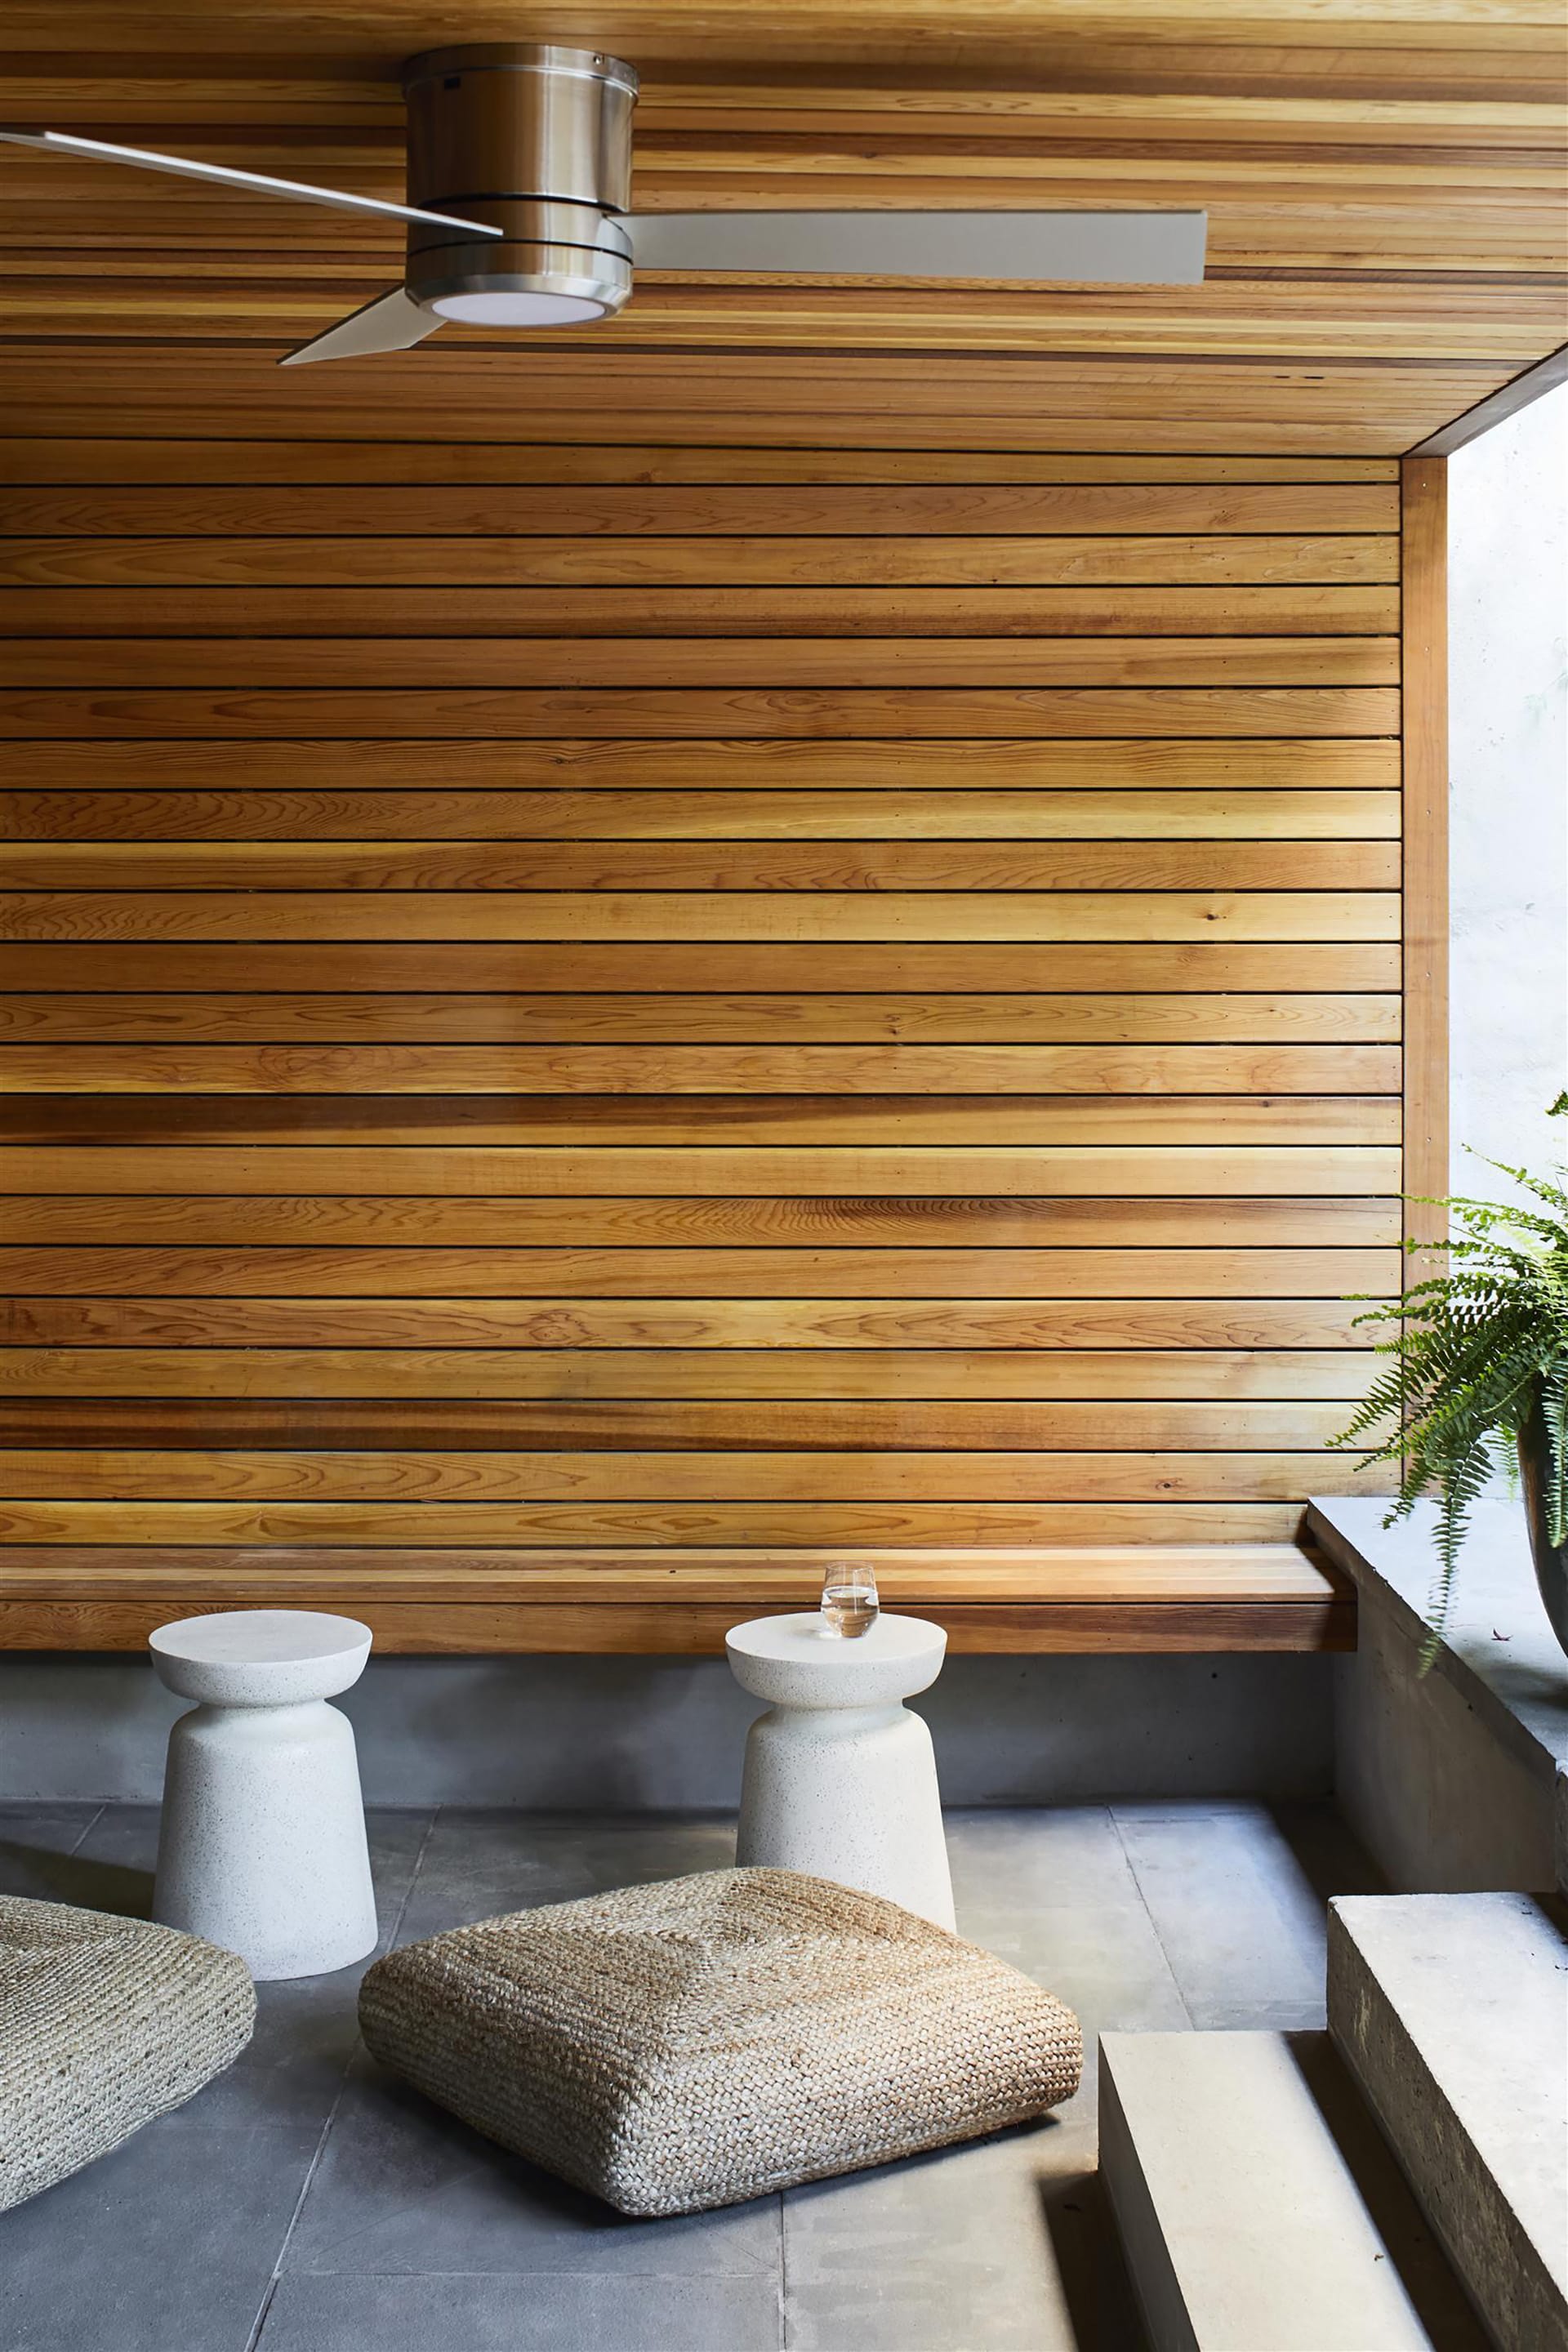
x: 1153, y: 1923
x: 547, y: 2270
x: 270, y: 2292
x: 432, y: 1815
x: 88, y: 1829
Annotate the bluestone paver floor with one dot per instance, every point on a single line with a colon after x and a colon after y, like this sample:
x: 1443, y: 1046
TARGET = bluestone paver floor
x: 307, y: 2202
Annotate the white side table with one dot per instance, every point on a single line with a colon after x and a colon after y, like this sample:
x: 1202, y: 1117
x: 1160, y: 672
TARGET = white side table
x: 840, y: 1779
x: 261, y: 1846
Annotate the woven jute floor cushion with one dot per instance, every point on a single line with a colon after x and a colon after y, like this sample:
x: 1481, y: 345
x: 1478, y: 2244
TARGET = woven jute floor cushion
x: 690, y: 2045
x: 104, y: 2024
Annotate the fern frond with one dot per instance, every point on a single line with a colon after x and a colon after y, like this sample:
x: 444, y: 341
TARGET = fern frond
x: 1472, y: 1353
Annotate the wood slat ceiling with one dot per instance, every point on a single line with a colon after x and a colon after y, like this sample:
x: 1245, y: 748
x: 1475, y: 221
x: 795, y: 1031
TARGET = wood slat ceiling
x: 1385, y: 181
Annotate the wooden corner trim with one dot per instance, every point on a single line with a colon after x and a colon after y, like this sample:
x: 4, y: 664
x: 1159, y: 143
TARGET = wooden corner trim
x: 1424, y: 518
x: 1507, y: 401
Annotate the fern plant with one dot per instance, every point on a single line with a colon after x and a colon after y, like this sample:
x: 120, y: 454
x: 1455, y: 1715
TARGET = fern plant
x: 1476, y: 1355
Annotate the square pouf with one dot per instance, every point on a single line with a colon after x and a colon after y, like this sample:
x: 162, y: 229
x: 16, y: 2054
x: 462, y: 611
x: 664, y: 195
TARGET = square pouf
x: 679, y: 2046
x: 104, y: 2024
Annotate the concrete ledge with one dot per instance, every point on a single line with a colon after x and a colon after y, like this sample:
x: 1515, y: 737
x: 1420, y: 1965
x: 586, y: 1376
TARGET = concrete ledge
x: 1451, y: 2012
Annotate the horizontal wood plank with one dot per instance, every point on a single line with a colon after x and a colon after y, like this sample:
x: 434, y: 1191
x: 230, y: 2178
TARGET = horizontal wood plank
x: 94, y: 712
x: 444, y: 1020
x: 108, y: 459
x: 408, y: 664
x: 686, y: 1321
x: 716, y: 869
x: 1336, y: 560
x: 525, y: 770
x: 836, y: 1374
x: 474, y: 1171
x: 1026, y: 916
x: 388, y: 1427
x: 711, y: 1224
x: 414, y: 615
x: 433, y: 1271
x: 177, y: 1525
x: 728, y: 509
x: 1243, y: 812
x: 1021, y: 969
x: 725, y: 1070
x: 449, y: 1486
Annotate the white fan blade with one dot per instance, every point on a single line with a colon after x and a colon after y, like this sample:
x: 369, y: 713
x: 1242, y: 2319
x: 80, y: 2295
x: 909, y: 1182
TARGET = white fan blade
x: 391, y: 323
x: 1092, y: 248
x: 298, y: 190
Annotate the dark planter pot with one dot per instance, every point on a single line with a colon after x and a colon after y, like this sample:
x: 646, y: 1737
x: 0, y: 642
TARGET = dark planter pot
x: 1551, y: 1559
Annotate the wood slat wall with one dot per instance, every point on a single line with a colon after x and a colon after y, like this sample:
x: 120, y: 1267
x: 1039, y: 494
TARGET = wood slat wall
x: 601, y: 1017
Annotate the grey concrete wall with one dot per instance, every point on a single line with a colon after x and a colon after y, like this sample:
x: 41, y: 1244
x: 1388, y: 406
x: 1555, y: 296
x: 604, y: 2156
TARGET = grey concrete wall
x: 1438, y: 1804
x: 1507, y: 659
x: 667, y: 1733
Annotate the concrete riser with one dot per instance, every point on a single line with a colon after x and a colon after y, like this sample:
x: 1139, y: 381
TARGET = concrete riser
x: 1149, y: 2265
x: 1521, y: 2304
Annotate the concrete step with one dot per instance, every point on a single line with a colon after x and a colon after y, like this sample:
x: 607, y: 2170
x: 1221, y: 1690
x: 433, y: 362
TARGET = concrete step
x: 1451, y: 2012
x: 1259, y: 2208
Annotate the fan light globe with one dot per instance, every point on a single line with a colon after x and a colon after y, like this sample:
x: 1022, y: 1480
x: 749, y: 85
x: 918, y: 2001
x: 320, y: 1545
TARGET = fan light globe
x: 506, y: 308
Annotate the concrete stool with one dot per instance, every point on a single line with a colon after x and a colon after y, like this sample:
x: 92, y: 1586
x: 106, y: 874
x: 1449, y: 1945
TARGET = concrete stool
x: 262, y: 1846
x: 840, y: 1779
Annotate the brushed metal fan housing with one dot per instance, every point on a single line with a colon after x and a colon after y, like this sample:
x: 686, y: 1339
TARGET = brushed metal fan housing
x: 536, y: 141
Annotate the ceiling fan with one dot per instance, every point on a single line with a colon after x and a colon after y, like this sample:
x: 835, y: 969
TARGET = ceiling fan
x: 519, y: 185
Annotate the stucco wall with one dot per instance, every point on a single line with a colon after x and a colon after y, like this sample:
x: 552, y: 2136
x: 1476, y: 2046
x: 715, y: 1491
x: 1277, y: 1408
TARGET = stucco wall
x: 1508, y: 621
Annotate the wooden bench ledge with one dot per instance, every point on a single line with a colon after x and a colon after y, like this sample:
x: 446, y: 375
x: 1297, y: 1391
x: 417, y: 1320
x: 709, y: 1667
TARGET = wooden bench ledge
x: 1177, y: 1597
